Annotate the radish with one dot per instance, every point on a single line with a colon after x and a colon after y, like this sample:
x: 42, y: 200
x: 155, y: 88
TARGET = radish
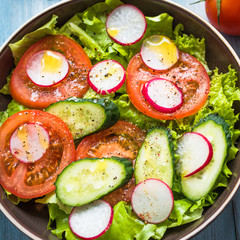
x: 47, y: 68
x: 159, y: 52
x: 29, y: 142
x: 126, y: 24
x: 163, y: 95
x: 195, y: 153
x: 92, y: 220
x: 106, y: 76
x: 152, y: 200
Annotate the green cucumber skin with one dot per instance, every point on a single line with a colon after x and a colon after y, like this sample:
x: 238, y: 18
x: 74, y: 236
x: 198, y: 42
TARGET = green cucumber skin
x: 128, y: 167
x: 220, y: 121
x: 171, y: 151
x: 225, y: 129
x: 111, y: 110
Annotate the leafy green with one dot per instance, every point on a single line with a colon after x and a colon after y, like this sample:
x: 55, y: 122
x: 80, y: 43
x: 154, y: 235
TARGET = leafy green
x: 51, y: 198
x: 190, y: 44
x: 126, y: 225
x: 5, y: 89
x: 29, y: 39
x: 129, y: 113
x: 88, y: 29
x: 13, y: 107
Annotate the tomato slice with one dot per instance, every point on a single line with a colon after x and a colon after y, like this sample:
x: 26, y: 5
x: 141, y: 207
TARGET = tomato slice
x: 188, y: 74
x: 31, y: 180
x: 122, y: 140
x: 24, y: 91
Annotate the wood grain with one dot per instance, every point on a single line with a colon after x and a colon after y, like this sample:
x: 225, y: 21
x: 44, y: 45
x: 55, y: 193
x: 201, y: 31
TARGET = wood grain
x: 13, y: 13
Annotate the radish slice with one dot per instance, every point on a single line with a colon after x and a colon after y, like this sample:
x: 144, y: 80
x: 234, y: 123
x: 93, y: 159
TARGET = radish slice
x: 152, y: 200
x: 106, y: 76
x: 47, y: 68
x: 159, y: 52
x: 126, y: 24
x: 195, y: 153
x: 163, y: 95
x: 92, y: 220
x: 29, y: 142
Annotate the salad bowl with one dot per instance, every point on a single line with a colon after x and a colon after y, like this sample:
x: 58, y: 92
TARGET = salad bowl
x: 32, y: 218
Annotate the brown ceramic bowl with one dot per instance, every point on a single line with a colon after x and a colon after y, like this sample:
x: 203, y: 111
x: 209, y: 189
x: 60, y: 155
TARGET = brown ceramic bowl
x: 31, y: 218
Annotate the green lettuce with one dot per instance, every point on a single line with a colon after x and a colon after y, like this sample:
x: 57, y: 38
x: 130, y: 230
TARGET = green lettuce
x: 125, y: 224
x: 29, y: 39
x: 13, y: 107
x: 88, y: 29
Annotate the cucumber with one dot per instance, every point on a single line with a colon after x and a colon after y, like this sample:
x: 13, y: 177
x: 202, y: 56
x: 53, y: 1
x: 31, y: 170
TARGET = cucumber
x: 216, y: 130
x: 155, y: 157
x: 89, y: 179
x: 85, y: 116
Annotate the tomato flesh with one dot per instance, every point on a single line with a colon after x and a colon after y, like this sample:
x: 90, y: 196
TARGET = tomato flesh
x: 122, y: 140
x: 31, y: 180
x: 24, y: 91
x: 189, y: 75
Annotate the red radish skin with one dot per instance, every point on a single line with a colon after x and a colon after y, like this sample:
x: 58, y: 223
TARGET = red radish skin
x: 106, y: 77
x: 84, y: 218
x: 29, y: 142
x: 161, y: 91
x: 159, y: 52
x: 123, y: 19
x: 199, y: 147
x: 152, y: 200
x: 54, y: 74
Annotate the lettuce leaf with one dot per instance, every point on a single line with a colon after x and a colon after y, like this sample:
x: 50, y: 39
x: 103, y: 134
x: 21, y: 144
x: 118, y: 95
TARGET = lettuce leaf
x: 29, y: 39
x: 88, y: 29
x: 190, y: 44
x: 13, y: 107
x: 125, y: 224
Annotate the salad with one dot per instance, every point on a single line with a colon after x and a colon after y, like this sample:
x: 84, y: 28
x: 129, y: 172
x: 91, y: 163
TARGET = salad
x: 123, y: 132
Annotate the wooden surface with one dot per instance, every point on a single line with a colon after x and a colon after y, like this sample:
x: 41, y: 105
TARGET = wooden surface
x: 13, y: 13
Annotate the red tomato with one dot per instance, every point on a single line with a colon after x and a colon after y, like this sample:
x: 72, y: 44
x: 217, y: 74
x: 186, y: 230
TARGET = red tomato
x: 188, y: 74
x: 31, y: 180
x: 229, y: 15
x: 122, y: 140
x: 24, y: 91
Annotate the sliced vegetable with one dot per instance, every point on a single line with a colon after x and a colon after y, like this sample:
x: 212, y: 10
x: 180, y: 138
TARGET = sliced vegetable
x: 29, y: 142
x: 85, y: 116
x: 89, y: 179
x: 155, y: 157
x: 188, y: 74
x: 163, y: 95
x: 27, y: 93
x: 152, y: 200
x: 122, y: 140
x: 159, y: 52
x: 126, y: 24
x: 216, y: 130
x: 195, y: 153
x: 35, y: 179
x: 106, y: 77
x: 92, y: 220
x: 47, y: 68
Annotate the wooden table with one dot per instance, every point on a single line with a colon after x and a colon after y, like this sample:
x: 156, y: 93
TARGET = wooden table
x: 13, y: 13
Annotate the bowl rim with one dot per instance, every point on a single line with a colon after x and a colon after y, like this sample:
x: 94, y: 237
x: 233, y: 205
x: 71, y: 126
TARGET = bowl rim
x: 5, y: 44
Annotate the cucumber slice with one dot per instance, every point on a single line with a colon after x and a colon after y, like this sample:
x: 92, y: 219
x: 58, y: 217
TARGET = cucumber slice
x: 89, y: 179
x: 85, y: 116
x: 216, y: 130
x: 155, y: 157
